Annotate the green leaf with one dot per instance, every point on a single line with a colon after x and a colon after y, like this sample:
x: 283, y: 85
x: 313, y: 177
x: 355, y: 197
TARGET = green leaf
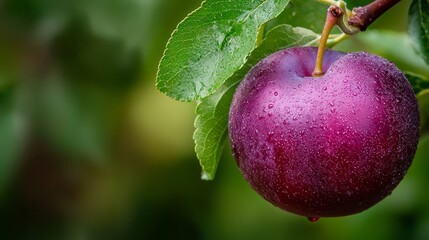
x: 418, y: 82
x: 308, y: 14
x: 211, y: 44
x: 212, y: 112
x: 418, y: 27
x: 423, y: 98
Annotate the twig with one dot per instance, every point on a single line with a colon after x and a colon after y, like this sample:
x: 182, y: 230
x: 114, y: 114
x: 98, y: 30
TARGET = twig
x: 364, y: 16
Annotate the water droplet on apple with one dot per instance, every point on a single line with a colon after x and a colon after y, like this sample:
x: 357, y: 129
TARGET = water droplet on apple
x: 313, y: 219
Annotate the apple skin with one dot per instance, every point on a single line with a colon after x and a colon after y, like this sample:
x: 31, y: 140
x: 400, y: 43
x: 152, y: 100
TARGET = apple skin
x: 328, y: 146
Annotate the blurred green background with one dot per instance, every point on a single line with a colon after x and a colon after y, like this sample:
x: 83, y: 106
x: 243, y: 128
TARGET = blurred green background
x: 89, y: 149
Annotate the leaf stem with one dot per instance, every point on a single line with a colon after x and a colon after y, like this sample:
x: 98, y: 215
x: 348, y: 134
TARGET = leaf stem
x: 328, y: 2
x: 332, y: 17
x: 337, y: 39
x: 364, y: 16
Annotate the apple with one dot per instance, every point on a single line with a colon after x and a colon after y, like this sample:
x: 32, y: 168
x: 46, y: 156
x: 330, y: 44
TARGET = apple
x: 324, y: 146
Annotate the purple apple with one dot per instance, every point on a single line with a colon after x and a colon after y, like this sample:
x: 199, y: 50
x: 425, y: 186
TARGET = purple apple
x: 328, y: 146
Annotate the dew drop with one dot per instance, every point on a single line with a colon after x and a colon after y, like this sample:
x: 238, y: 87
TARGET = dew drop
x: 313, y: 219
x: 276, y: 93
x: 331, y: 104
x: 270, y: 106
x: 325, y: 88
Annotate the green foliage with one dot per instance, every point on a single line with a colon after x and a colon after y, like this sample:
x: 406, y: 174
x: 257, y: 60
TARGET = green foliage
x: 423, y: 98
x: 78, y: 50
x: 297, y: 14
x: 74, y: 119
x: 105, y: 17
x: 418, y: 82
x: 420, y: 86
x: 11, y: 141
x: 211, y: 44
x: 418, y: 27
x: 212, y: 112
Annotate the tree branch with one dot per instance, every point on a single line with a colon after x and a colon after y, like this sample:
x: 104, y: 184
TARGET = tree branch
x: 364, y: 16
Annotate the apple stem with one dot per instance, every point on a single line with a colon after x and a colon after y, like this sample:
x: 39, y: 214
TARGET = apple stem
x: 364, y: 16
x: 334, y: 13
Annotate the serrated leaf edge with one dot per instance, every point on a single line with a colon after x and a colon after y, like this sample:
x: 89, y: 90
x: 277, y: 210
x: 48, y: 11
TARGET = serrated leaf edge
x: 166, y: 49
x: 206, y: 173
x: 214, y: 90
